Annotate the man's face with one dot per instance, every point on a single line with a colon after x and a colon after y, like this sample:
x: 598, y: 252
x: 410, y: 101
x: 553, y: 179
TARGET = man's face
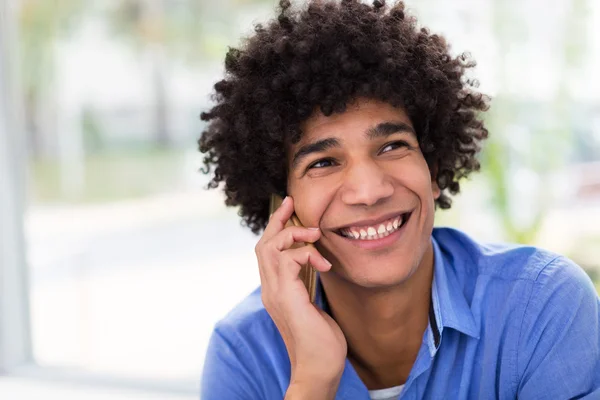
x: 361, y: 178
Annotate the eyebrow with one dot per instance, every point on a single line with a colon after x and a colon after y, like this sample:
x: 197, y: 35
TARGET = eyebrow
x: 315, y: 147
x: 381, y: 130
x: 386, y: 129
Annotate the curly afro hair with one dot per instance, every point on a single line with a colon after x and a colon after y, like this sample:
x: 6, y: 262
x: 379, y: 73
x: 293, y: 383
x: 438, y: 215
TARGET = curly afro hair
x: 326, y: 55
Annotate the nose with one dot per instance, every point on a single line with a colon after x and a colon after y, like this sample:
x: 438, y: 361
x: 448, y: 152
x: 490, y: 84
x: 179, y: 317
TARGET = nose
x: 366, y: 183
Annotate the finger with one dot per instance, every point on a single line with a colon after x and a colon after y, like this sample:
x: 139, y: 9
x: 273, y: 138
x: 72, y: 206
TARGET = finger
x: 292, y: 260
x: 279, y: 218
x: 269, y: 252
x: 294, y: 234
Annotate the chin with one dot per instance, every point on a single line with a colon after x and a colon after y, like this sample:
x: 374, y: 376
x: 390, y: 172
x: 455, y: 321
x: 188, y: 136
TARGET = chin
x: 383, y: 276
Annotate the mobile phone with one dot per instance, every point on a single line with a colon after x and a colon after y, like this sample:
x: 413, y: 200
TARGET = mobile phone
x: 307, y: 275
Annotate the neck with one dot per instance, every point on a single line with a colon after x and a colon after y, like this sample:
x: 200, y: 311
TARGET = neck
x: 383, y: 327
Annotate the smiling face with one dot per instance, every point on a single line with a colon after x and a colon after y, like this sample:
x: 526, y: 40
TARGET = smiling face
x: 361, y: 178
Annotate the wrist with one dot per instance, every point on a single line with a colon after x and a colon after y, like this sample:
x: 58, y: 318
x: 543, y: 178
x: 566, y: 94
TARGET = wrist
x: 312, y: 389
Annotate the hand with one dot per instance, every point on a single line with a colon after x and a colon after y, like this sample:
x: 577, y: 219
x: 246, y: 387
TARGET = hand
x: 315, y: 343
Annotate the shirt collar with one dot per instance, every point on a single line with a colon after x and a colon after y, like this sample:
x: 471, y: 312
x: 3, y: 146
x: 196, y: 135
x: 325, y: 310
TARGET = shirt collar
x: 449, y: 304
x: 450, y: 307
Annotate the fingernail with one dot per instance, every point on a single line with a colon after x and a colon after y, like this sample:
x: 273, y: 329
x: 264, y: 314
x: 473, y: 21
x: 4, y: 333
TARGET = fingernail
x: 327, y: 261
x: 313, y: 229
x: 284, y: 200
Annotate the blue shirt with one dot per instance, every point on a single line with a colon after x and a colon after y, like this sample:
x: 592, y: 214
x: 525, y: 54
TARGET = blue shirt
x: 507, y: 322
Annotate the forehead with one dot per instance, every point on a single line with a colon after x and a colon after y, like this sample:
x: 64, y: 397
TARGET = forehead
x: 359, y: 116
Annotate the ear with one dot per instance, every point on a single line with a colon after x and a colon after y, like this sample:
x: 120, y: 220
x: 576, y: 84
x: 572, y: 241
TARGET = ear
x: 435, y: 188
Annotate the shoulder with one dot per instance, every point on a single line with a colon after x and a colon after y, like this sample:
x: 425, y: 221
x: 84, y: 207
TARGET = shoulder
x: 561, y: 289
x: 523, y: 280
x: 508, y: 262
x: 559, y: 334
x: 528, y: 278
x: 246, y: 357
x: 248, y: 322
x: 541, y: 306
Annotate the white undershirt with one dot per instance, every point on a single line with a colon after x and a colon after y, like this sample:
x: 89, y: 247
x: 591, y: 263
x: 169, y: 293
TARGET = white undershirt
x: 386, y: 394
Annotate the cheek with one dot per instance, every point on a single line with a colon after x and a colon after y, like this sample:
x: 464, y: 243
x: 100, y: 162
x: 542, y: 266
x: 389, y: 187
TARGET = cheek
x: 310, y: 203
x: 415, y: 176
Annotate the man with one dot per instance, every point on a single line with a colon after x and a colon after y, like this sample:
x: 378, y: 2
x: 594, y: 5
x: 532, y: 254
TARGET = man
x: 367, y: 124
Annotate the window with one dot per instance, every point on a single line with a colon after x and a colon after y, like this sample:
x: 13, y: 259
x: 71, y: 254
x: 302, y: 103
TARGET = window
x: 115, y: 263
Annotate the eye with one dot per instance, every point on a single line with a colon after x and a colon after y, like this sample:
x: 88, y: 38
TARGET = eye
x: 323, y: 163
x: 393, y: 146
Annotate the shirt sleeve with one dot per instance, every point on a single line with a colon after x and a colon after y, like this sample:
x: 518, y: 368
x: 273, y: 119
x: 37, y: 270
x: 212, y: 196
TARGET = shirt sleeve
x: 227, y: 371
x: 559, y: 344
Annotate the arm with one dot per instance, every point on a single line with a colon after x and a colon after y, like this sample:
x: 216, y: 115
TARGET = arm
x: 315, y: 344
x: 559, y: 345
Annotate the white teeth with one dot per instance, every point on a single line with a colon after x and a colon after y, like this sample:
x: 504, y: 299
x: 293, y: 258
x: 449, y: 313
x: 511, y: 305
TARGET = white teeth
x: 371, y: 232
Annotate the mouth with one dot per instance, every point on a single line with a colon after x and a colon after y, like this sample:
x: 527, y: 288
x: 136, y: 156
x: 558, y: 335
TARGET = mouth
x: 376, y: 231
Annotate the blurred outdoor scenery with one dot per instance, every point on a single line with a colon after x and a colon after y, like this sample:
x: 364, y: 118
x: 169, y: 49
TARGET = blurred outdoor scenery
x: 131, y: 261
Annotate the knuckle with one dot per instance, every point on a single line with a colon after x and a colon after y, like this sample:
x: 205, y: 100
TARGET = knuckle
x: 291, y: 234
x: 265, y: 244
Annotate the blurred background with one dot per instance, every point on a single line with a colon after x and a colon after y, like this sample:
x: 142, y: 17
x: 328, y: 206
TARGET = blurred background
x: 127, y: 262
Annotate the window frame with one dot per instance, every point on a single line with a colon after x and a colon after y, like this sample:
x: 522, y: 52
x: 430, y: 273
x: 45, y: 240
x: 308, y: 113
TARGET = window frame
x: 15, y: 330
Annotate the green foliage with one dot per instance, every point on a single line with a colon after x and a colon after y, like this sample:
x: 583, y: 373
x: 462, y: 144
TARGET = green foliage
x: 549, y: 131
x: 111, y: 176
x: 187, y: 30
x: 41, y: 23
x: 92, y: 131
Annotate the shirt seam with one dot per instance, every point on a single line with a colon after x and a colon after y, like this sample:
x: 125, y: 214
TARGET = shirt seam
x: 549, y: 259
x: 533, y: 284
